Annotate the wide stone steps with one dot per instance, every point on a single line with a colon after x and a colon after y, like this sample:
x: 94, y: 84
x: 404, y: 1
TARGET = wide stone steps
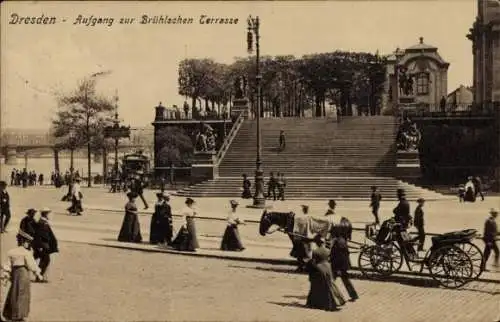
x: 305, y: 188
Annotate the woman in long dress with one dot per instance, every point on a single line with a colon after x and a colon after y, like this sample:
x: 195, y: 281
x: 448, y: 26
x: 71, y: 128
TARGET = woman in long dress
x: 20, y: 264
x: 131, y: 230
x: 161, y: 226
x: 186, y: 239
x: 247, y: 193
x: 231, y: 240
x: 76, y: 199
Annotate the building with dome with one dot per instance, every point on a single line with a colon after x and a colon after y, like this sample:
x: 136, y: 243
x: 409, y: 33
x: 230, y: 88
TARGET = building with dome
x: 417, y: 78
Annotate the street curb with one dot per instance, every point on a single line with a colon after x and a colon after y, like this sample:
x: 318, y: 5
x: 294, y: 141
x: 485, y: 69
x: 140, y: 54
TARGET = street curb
x: 263, y: 260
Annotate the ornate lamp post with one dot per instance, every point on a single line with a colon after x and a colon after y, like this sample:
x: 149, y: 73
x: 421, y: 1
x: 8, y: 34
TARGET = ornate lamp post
x: 116, y: 132
x: 259, y: 201
x: 71, y: 151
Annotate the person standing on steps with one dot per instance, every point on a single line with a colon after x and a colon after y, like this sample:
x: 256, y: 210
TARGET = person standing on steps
x: 375, y: 203
x: 45, y: 243
x: 489, y: 237
x: 282, y: 140
x: 418, y: 221
x: 4, y: 207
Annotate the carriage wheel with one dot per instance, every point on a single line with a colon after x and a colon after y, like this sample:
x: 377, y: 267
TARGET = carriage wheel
x: 476, y: 256
x: 380, y: 260
x: 451, y: 266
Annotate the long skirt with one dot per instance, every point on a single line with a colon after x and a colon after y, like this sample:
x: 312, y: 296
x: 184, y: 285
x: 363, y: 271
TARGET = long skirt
x: 131, y: 230
x: 469, y: 195
x: 76, y: 206
x: 186, y: 239
x: 160, y: 230
x: 17, y: 304
x: 246, y: 194
x: 231, y: 240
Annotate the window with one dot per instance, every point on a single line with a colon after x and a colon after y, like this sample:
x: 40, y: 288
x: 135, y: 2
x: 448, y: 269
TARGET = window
x: 422, y: 84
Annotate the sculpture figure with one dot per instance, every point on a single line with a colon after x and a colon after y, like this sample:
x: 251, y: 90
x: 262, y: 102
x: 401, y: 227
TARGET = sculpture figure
x: 409, y: 137
x: 240, y: 87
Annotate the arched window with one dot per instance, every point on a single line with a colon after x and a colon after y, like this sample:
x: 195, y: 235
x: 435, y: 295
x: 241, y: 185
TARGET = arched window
x: 422, y: 84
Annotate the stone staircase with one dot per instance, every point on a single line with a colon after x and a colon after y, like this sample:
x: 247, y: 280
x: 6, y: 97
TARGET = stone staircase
x: 322, y: 159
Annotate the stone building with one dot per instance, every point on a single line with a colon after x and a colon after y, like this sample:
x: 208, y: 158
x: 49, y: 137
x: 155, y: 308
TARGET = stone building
x: 460, y: 99
x: 485, y: 37
x: 417, y: 78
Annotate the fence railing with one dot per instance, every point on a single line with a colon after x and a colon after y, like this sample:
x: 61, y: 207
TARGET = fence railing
x: 229, y: 139
x: 170, y: 115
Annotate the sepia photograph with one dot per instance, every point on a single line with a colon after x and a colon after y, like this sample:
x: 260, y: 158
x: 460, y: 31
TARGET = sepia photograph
x: 250, y: 161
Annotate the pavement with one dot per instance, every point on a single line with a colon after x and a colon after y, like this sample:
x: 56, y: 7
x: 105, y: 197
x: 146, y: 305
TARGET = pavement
x: 103, y: 214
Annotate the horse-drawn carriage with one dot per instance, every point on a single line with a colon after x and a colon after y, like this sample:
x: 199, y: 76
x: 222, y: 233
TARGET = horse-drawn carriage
x: 453, y: 260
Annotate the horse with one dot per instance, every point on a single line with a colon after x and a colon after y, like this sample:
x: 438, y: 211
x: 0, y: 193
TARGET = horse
x: 298, y: 228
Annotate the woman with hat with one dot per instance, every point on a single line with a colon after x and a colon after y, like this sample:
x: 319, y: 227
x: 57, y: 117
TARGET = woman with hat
x: 20, y: 264
x: 45, y: 243
x: 186, y: 239
x: 131, y: 230
x: 161, y: 222
x: 76, y: 199
x: 246, y: 194
x: 231, y: 240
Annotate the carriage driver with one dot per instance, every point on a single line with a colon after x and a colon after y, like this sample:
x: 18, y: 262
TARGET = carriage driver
x: 402, y: 210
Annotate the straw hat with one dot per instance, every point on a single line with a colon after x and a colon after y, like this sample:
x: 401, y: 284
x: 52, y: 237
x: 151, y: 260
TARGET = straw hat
x: 45, y: 210
x: 493, y: 211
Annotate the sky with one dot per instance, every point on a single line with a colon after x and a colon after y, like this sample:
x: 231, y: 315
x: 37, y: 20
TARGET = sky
x: 38, y: 61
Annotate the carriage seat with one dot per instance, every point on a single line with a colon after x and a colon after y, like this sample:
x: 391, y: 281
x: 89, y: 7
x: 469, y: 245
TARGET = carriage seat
x: 454, y: 237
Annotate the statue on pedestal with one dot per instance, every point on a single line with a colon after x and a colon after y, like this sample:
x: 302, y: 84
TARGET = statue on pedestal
x: 240, y: 87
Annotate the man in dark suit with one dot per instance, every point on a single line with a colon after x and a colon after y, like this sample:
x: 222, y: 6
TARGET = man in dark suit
x: 402, y: 210
x: 489, y: 235
x: 28, y: 223
x: 44, y: 243
x: 138, y: 188
x: 4, y: 206
x: 271, y: 186
x: 282, y: 140
x: 375, y: 203
x: 418, y: 221
x: 331, y: 207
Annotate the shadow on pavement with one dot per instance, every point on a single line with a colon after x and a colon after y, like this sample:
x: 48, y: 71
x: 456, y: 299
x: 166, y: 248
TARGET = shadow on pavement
x: 292, y: 304
x: 298, y: 297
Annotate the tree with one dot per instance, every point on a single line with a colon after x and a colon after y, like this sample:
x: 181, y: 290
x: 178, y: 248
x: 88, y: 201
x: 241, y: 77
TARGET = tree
x: 81, y: 119
x: 175, y: 147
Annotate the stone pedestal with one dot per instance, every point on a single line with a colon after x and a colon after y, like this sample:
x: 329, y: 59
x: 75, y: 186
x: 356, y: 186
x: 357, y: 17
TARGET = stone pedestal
x: 11, y: 155
x: 203, y: 167
x: 240, y: 105
x: 408, y: 165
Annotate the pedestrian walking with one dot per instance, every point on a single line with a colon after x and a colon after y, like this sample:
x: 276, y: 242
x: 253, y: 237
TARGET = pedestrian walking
x: 4, y: 207
x: 28, y: 224
x: 478, y: 188
x: 161, y: 221
x: 418, y: 221
x: 489, y: 237
x: 138, y: 189
x: 281, y: 184
x: 323, y: 292
x: 44, y: 244
x: 470, y: 193
x: 271, y: 186
x: 19, y: 266
x: 231, y: 240
x: 375, y: 203
x: 76, y: 198
x: 130, y: 231
x: 186, y: 239
x: 339, y: 257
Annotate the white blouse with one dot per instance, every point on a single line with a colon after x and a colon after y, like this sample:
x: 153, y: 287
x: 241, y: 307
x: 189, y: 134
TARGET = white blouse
x: 233, y: 219
x: 76, y: 191
x: 187, y: 212
x: 20, y: 256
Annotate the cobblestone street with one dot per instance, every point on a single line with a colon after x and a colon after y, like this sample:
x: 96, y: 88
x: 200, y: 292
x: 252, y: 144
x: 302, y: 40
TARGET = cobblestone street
x: 131, y: 285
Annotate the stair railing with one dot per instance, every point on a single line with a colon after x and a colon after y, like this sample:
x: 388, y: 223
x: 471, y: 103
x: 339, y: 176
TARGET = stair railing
x: 229, y: 139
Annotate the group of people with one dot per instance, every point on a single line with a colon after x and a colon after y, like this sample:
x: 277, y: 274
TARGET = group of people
x: 25, y: 178
x: 35, y: 242
x: 472, y: 188
x: 275, y: 187
x: 161, y: 226
x: 206, y: 140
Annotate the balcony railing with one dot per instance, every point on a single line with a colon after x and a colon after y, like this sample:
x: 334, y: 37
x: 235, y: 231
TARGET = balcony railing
x: 170, y: 115
x: 450, y: 110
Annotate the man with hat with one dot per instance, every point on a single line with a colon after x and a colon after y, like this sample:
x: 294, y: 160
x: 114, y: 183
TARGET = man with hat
x: 375, y: 203
x: 331, y: 207
x: 418, y: 221
x: 4, y: 206
x: 402, y: 210
x: 489, y: 235
x: 45, y: 243
x: 28, y: 223
x: 305, y: 209
x: 138, y: 188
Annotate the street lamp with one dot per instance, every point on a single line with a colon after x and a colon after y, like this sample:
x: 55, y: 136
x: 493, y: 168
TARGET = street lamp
x: 259, y: 201
x: 71, y: 151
